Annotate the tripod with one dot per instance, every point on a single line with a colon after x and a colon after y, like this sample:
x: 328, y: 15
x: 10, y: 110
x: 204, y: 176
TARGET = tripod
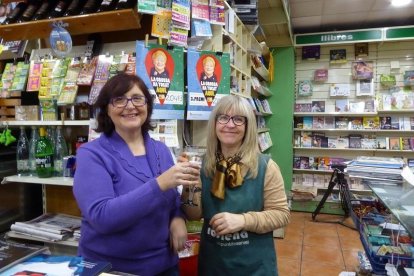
x: 337, y: 178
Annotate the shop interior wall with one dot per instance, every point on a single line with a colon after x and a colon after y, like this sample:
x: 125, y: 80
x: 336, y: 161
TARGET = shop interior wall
x: 282, y: 102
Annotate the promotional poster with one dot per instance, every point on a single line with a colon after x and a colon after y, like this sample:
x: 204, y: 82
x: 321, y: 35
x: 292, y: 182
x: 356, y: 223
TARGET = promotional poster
x: 208, y: 77
x: 162, y: 70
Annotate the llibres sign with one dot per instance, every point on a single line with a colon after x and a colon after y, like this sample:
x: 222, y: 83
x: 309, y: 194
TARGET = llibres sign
x: 367, y: 35
x: 338, y: 37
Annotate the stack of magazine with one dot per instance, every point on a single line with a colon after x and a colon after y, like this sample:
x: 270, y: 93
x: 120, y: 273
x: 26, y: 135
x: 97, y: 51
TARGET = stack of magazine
x: 377, y: 170
x: 50, y: 227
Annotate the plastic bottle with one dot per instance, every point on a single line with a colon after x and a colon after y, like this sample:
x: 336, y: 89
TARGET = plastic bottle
x: 32, y: 149
x: 61, y: 150
x: 44, y: 155
x: 22, y: 154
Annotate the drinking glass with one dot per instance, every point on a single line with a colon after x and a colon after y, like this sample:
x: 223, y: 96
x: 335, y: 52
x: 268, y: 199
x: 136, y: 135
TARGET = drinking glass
x: 194, y: 154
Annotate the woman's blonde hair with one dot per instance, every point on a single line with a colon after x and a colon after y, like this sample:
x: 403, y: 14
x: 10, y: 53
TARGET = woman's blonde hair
x: 158, y: 53
x: 207, y: 59
x: 249, y: 148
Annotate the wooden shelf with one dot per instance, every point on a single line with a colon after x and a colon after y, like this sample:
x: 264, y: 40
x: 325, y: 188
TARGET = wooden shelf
x: 46, y: 123
x: 262, y: 71
x: 312, y: 171
x: 261, y: 130
x: 396, y: 131
x: 354, y: 150
x: 59, y: 181
x: 264, y: 114
x: 343, y: 114
x: 110, y: 21
x: 398, y: 111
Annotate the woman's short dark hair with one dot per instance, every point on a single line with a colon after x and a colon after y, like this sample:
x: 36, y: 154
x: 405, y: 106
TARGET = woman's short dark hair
x: 117, y: 86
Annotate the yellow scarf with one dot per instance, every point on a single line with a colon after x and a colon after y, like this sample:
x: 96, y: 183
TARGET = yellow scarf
x: 227, y: 173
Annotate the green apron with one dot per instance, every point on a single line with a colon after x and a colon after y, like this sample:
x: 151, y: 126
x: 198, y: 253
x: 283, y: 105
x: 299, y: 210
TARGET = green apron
x: 240, y: 253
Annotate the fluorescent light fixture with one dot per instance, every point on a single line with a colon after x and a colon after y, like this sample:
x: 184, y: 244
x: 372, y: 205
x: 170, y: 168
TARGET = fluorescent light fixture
x: 400, y: 3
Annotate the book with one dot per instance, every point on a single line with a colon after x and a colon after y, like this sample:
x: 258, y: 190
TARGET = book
x: 332, y: 141
x: 305, y: 88
x: 296, y: 162
x: 368, y: 142
x: 339, y: 89
x: 329, y: 122
x: 394, y: 143
x: 405, y: 143
x: 337, y: 56
x: 387, y: 81
x: 357, y: 107
x: 382, y: 142
x: 318, y: 106
x: 342, y: 142
x: 342, y: 105
x: 62, y: 265
x: 362, y: 70
x: 297, y: 122
x: 320, y: 75
x: 311, y: 52
x: 385, y: 122
x: 318, y: 122
x: 361, y: 50
x: 307, y: 122
x: 365, y: 87
x: 304, y: 162
x: 12, y: 253
x: 371, y: 122
x: 306, y: 139
x: 341, y: 122
x: 405, y: 123
x: 303, y: 107
x: 354, y: 141
x: 395, y: 122
x: 369, y: 106
x: 355, y: 123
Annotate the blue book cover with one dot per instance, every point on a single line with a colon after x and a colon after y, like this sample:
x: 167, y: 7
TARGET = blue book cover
x: 56, y: 265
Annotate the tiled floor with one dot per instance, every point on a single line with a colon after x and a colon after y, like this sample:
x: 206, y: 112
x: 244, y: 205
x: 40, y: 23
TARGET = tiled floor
x: 314, y: 248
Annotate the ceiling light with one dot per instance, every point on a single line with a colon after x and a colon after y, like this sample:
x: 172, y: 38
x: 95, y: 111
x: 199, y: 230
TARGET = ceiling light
x: 400, y: 3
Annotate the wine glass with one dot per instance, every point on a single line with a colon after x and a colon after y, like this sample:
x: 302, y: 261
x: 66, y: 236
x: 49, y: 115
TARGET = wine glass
x: 194, y: 155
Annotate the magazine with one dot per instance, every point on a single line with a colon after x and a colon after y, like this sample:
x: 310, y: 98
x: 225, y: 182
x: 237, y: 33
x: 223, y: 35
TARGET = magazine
x: 58, y: 265
x: 48, y: 226
x: 12, y: 253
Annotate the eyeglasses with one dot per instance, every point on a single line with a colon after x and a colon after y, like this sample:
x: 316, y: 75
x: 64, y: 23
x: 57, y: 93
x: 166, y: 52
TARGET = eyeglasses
x: 136, y: 101
x: 237, y: 119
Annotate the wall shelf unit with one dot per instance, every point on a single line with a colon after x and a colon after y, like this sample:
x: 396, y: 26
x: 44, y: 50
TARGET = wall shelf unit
x: 337, y: 137
x: 46, y: 123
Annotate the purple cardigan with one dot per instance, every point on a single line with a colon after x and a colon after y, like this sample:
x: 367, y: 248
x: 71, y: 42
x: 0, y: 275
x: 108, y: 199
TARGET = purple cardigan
x: 125, y: 215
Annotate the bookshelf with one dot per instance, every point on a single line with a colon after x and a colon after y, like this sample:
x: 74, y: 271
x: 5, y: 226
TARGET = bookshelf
x: 366, y: 139
x: 245, y: 81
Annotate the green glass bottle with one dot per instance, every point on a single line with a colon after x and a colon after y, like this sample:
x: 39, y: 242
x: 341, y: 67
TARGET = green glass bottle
x: 44, y: 155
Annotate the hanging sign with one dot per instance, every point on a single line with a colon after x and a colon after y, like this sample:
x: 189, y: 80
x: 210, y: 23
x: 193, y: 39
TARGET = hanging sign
x: 162, y: 71
x: 339, y: 37
x: 208, y: 77
x: 60, y: 39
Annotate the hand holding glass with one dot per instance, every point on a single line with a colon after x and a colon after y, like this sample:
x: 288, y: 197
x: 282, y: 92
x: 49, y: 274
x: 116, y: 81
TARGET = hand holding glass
x: 193, y: 154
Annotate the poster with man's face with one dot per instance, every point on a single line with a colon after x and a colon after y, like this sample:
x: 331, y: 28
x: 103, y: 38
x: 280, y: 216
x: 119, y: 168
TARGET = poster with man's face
x: 208, y: 77
x: 162, y: 70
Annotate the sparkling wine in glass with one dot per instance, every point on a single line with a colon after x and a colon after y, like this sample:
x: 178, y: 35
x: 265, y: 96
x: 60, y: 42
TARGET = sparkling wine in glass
x: 194, y: 155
